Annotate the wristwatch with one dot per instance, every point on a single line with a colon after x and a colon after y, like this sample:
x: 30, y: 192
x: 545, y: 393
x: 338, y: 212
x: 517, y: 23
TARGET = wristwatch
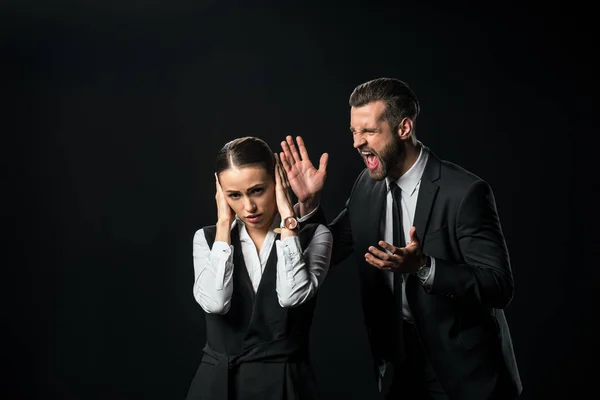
x: 424, y: 270
x: 290, y: 223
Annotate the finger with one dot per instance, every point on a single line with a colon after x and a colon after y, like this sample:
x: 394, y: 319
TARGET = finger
x: 370, y: 261
x: 283, y: 181
x: 323, y: 162
x: 284, y: 178
x: 389, y: 247
x: 284, y: 161
x: 282, y: 171
x: 302, y: 148
x: 376, y: 262
x: 286, y: 184
x: 287, y: 151
x: 382, y: 255
x: 277, y: 173
x: 414, y: 240
x: 378, y: 253
x: 293, y: 150
x: 218, y: 185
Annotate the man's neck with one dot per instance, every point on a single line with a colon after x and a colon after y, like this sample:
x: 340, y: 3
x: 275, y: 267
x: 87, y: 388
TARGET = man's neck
x: 408, y: 159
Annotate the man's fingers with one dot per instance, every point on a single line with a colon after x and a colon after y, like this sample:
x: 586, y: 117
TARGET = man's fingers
x: 385, y: 256
x: 413, y: 236
x: 284, y: 161
x: 378, y: 253
x: 289, y: 158
x: 302, y: 147
x: 399, y: 251
x: 293, y: 150
x: 391, y: 248
x: 323, y: 162
x: 378, y: 263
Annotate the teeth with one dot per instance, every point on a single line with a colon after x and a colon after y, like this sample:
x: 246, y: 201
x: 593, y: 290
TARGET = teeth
x: 366, y: 153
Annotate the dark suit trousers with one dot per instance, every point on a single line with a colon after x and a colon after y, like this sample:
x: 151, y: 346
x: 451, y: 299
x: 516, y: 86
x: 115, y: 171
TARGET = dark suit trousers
x: 414, y: 379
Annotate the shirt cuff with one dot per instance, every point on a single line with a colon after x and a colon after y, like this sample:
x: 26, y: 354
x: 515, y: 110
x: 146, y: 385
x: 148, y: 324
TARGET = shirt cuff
x: 221, y: 260
x: 307, y: 216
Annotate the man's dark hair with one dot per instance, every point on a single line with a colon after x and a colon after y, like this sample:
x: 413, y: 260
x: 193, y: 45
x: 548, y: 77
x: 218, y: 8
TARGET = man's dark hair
x: 400, y: 101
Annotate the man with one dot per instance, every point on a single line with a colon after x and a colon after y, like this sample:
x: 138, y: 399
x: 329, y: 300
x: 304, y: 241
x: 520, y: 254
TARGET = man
x: 434, y: 269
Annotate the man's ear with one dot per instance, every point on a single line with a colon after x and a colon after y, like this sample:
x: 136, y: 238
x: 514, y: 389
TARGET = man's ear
x: 405, y: 128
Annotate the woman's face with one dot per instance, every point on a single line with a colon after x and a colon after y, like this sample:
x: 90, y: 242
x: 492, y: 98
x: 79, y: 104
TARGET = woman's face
x: 250, y: 192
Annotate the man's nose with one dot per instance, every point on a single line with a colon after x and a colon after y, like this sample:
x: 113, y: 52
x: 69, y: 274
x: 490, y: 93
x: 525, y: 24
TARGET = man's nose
x: 359, y: 141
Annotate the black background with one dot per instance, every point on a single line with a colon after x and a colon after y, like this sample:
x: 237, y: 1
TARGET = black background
x: 116, y: 111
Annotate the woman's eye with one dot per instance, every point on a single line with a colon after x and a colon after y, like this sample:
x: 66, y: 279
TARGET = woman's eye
x: 257, y: 191
x: 234, y: 196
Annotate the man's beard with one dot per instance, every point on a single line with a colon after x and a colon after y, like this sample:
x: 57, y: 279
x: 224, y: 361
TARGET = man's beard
x: 389, y: 158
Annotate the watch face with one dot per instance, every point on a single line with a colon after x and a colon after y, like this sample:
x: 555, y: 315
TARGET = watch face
x: 423, y: 272
x: 291, y: 223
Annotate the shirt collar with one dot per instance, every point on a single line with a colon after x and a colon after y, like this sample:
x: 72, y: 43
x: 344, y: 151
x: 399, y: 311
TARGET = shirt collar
x: 411, y: 178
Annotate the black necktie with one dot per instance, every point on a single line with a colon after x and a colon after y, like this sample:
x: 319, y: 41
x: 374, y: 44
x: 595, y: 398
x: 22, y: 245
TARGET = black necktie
x: 399, y: 241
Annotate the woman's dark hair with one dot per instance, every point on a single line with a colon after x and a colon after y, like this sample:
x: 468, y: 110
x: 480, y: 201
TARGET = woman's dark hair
x: 246, y: 151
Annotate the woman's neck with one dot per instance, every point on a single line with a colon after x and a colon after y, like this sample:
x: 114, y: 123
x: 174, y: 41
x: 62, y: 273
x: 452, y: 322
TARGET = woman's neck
x: 258, y: 236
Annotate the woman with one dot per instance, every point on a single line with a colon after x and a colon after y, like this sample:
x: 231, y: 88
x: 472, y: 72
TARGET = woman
x: 257, y: 272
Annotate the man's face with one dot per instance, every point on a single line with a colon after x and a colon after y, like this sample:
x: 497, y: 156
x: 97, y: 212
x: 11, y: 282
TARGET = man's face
x: 380, y: 148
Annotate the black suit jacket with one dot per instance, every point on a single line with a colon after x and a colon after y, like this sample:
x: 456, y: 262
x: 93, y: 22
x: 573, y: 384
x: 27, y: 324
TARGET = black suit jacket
x: 460, y: 320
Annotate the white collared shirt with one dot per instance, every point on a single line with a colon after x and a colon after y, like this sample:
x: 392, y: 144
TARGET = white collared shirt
x: 299, y: 273
x: 409, y: 184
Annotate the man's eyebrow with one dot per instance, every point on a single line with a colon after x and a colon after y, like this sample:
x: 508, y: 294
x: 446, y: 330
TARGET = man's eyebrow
x: 365, y: 129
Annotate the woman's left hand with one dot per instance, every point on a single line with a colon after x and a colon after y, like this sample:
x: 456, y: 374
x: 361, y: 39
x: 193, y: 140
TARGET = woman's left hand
x: 282, y: 191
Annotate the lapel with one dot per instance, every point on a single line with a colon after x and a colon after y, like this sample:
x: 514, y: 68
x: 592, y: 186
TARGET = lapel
x: 427, y: 193
x: 373, y: 215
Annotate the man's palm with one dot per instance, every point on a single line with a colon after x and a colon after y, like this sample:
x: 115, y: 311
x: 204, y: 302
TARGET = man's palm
x: 306, y: 181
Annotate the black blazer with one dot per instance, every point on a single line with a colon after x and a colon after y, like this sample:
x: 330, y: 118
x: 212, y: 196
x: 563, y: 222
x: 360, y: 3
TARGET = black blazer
x: 460, y: 321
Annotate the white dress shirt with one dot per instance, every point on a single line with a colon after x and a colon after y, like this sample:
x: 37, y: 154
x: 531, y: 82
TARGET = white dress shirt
x: 409, y: 184
x: 299, y: 272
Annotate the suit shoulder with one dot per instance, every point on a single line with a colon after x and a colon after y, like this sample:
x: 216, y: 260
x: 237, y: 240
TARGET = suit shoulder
x: 458, y: 175
x: 322, y: 230
x: 364, y: 179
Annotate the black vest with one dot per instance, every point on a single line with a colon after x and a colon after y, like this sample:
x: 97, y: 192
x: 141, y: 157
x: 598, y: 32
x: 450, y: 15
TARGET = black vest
x: 257, y: 338
x: 257, y: 319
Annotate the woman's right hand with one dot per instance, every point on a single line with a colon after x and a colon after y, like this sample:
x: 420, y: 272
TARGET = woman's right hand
x: 224, y: 213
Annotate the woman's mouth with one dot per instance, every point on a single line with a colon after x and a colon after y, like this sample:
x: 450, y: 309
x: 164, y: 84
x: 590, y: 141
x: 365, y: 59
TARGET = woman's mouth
x: 371, y: 160
x: 253, y: 218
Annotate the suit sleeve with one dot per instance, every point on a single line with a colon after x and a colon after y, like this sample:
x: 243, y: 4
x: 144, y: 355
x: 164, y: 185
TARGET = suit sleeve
x: 343, y: 243
x: 340, y: 229
x: 486, y: 276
